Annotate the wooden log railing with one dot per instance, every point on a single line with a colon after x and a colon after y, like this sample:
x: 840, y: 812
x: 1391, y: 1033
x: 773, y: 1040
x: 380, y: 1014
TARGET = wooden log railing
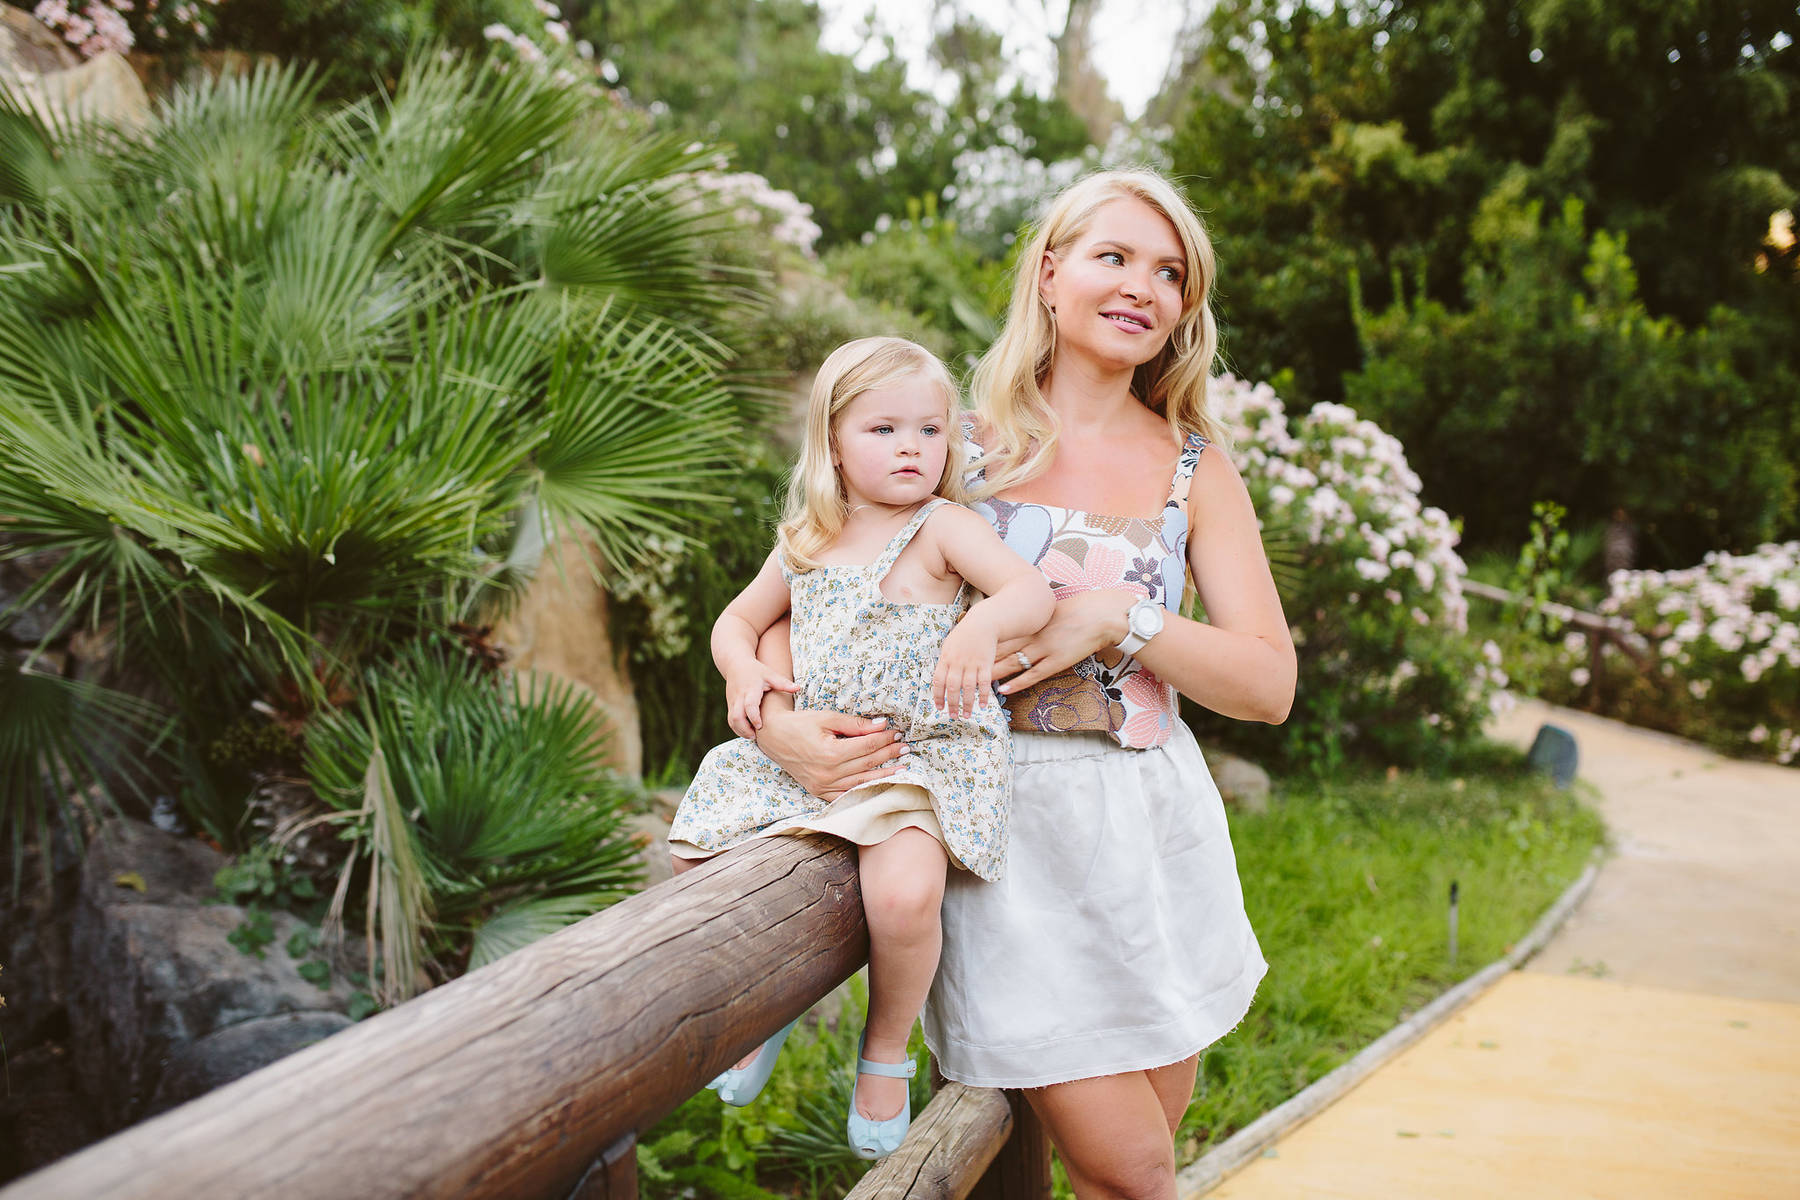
x: 533, y: 1077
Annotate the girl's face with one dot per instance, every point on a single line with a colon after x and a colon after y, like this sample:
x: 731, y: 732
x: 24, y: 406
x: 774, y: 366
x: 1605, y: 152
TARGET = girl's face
x: 1116, y: 289
x: 890, y: 443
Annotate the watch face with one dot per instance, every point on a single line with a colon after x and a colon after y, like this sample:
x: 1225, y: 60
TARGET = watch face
x: 1146, y: 620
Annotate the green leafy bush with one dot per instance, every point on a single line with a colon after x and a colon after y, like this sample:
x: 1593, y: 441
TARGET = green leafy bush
x: 1373, y: 594
x: 1555, y: 383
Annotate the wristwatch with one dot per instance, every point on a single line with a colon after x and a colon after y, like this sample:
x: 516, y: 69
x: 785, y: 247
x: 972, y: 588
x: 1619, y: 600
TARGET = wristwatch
x: 1143, y: 621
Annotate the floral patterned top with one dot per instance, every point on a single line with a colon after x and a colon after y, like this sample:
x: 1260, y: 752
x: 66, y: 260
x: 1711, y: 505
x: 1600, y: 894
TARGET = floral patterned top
x: 857, y: 652
x: 1078, y: 551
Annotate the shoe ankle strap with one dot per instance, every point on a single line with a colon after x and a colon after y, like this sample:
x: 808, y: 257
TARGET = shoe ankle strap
x: 905, y: 1070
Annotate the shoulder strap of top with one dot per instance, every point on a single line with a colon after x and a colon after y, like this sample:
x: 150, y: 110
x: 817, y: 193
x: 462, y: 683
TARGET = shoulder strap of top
x: 972, y: 450
x: 1184, y: 469
x: 881, y: 566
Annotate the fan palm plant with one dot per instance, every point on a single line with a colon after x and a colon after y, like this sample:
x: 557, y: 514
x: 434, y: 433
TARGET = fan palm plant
x: 501, y: 823
x: 285, y: 386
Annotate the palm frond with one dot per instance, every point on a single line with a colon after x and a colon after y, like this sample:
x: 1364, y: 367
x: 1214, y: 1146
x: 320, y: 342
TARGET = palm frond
x: 640, y: 419
x: 518, y: 924
x: 58, y: 737
x: 398, y: 904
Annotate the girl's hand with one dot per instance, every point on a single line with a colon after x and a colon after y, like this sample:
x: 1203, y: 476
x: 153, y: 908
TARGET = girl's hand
x: 965, y: 667
x: 830, y: 753
x: 1082, y: 623
x: 744, y: 694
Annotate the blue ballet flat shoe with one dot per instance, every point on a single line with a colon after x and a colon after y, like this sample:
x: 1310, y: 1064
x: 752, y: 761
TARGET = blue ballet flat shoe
x: 878, y: 1139
x: 738, y: 1087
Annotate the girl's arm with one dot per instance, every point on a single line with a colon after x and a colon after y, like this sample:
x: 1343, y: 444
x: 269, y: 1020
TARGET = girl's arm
x: 734, y: 640
x: 1239, y: 662
x: 1018, y: 603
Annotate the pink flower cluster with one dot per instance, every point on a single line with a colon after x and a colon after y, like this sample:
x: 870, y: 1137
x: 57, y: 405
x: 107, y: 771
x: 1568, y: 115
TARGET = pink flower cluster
x: 96, y: 29
x: 102, y: 25
x: 755, y: 201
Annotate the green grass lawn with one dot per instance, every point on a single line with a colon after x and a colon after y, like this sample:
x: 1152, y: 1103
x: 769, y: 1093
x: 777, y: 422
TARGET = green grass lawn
x: 1348, y: 887
x: 1347, y: 884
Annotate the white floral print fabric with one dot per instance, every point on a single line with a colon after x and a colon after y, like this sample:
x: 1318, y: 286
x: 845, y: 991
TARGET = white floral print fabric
x: 857, y: 652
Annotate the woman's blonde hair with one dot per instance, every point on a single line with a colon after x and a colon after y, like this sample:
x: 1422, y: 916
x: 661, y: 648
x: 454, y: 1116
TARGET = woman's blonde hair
x: 1019, y: 427
x: 816, y: 505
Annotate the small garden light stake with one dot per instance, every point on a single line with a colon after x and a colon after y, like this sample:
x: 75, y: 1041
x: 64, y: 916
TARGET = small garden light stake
x: 1453, y: 922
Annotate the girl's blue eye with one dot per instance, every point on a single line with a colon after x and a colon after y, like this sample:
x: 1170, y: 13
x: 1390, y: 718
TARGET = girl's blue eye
x: 930, y: 431
x: 884, y: 429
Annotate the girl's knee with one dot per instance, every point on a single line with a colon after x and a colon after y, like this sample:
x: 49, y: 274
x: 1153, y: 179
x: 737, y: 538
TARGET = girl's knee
x: 907, y: 904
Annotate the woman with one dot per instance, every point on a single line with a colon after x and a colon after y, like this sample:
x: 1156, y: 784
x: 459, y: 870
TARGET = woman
x: 1116, y: 948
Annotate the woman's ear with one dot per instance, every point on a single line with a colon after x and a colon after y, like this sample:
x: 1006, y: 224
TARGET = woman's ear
x: 1046, y: 282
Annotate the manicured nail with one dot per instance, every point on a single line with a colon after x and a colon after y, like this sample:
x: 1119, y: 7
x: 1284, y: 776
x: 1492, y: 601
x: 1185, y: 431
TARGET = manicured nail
x: 880, y: 721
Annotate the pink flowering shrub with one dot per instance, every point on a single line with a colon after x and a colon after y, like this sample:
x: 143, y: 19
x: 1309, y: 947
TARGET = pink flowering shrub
x: 119, y: 25
x: 1373, y: 588
x: 1723, y: 653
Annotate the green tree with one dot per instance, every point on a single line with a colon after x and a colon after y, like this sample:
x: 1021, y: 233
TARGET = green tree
x: 850, y: 137
x: 1363, y: 142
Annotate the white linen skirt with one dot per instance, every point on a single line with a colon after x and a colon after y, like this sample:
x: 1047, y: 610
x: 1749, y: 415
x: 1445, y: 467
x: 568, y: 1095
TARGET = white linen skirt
x: 1117, y: 939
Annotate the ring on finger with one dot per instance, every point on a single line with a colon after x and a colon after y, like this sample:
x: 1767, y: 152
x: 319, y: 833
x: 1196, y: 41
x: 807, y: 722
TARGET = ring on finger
x: 1024, y: 660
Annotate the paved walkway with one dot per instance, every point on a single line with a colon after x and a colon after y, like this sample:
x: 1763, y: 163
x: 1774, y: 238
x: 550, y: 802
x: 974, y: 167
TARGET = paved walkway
x: 1652, y: 1049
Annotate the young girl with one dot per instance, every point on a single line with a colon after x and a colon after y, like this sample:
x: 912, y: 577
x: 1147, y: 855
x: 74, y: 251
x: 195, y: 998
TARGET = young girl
x: 876, y: 562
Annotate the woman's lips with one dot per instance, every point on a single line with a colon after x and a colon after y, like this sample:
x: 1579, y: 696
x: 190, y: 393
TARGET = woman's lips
x: 1129, y: 321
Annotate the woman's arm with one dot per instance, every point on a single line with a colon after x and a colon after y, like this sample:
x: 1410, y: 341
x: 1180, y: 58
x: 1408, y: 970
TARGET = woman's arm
x: 828, y: 753
x: 1240, y: 662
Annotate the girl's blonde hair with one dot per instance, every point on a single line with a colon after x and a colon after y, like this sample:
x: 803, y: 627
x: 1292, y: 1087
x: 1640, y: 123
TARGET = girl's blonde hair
x: 1020, y: 428
x: 816, y: 505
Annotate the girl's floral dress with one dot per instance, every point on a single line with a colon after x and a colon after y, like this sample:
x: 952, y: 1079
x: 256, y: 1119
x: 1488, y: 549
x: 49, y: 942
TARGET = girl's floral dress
x: 857, y: 652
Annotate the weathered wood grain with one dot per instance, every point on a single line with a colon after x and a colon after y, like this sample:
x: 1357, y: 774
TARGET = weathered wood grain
x: 948, y: 1147
x: 512, y: 1080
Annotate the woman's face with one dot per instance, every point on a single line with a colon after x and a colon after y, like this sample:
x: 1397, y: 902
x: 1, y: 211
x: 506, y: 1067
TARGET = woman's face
x: 1116, y: 289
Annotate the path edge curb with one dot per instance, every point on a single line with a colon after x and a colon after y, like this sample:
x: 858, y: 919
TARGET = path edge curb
x: 1235, y: 1152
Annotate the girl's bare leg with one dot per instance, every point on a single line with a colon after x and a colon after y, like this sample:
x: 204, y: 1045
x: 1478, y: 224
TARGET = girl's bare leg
x: 903, y: 895
x: 1114, y: 1132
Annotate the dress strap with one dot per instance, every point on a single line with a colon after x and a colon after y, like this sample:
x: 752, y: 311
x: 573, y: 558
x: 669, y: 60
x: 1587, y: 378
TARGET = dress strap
x: 885, y: 563
x: 972, y: 451
x: 1184, y: 471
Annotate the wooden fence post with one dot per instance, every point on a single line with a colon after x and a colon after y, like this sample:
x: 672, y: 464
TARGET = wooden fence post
x: 1021, y: 1171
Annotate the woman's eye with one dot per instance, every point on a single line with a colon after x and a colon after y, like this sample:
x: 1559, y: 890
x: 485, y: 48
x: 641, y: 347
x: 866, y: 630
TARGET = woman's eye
x: 1171, y: 274
x: 1113, y: 257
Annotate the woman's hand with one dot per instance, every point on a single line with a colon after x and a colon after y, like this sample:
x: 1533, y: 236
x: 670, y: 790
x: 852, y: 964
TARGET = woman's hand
x: 1082, y: 623
x: 830, y: 753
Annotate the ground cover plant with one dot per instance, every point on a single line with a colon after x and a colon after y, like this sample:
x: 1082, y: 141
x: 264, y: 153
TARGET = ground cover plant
x: 1347, y: 883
